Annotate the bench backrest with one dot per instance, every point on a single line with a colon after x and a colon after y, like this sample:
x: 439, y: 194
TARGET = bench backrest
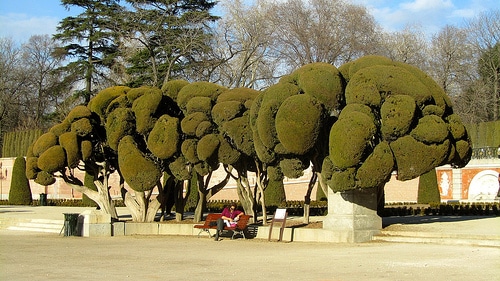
x: 243, y: 221
x: 212, y: 217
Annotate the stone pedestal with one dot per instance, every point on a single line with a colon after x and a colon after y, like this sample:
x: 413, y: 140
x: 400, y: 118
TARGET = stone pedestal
x: 353, y: 215
x: 95, y: 223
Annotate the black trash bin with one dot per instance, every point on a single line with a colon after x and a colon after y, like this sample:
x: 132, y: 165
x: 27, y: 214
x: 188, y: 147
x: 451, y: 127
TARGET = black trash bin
x: 70, y: 224
x: 43, y: 199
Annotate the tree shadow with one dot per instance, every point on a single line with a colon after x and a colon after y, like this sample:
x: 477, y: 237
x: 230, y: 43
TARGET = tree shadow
x: 13, y: 209
x: 409, y: 220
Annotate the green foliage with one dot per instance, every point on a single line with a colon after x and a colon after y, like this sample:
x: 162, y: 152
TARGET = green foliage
x: 82, y: 127
x: 198, y: 89
x: 69, y: 142
x: 343, y: 180
x: 53, y: 159
x: 188, y: 149
x: 207, y: 146
x: 88, y: 181
x: 61, y: 128
x: 485, y: 134
x: 432, y: 109
x: 349, y: 69
x: 179, y: 168
x: 240, y: 133
x: 363, y: 93
x: 89, y: 38
x: 173, y: 87
x: 194, y: 122
x: 462, y: 153
x: 406, y: 149
x: 20, y: 192
x: 376, y: 169
x: 99, y: 104
x: 226, y: 153
x: 323, y: 82
x: 78, y: 112
x: 264, y: 112
x: 407, y: 125
x: 199, y: 104
x: 293, y: 167
x: 225, y: 111
x: 349, y: 137
x: 17, y: 143
x: 177, y: 39
x: 428, y: 191
x: 392, y: 117
x: 194, y: 196
x: 86, y: 148
x: 298, y: 123
x: 164, y: 139
x: 397, y: 114
x: 145, y: 107
x: 44, y: 178
x: 120, y: 123
x: 456, y: 128
x: 44, y: 142
x: 31, y: 167
x: 275, y: 193
x: 430, y: 129
x: 139, y: 172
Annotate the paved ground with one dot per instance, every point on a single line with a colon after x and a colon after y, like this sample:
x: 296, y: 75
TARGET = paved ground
x: 30, y: 256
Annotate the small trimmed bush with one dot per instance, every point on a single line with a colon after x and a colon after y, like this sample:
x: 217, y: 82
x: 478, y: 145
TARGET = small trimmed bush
x: 20, y: 192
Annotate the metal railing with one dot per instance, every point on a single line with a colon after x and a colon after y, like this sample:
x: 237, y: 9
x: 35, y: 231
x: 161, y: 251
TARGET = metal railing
x: 489, y: 152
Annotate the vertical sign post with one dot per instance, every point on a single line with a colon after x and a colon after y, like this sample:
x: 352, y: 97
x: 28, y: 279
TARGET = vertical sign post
x: 279, y: 216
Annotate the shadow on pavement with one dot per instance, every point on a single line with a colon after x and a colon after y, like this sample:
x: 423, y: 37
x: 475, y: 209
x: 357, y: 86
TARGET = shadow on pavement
x: 387, y: 221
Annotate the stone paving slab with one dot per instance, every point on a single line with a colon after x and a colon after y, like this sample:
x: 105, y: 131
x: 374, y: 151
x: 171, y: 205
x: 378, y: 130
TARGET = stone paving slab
x: 47, y: 256
x: 44, y: 257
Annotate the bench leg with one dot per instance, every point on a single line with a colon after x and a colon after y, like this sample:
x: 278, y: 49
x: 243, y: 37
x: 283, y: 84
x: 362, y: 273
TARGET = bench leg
x: 205, y: 230
x: 240, y: 232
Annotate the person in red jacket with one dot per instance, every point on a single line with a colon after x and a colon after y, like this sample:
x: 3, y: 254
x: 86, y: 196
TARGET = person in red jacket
x: 230, y: 215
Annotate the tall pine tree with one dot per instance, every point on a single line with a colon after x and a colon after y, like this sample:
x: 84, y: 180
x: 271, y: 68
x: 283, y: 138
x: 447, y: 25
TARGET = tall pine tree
x: 167, y: 38
x: 91, y: 40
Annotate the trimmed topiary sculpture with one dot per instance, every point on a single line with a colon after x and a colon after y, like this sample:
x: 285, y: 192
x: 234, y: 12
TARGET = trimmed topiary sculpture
x: 20, y: 192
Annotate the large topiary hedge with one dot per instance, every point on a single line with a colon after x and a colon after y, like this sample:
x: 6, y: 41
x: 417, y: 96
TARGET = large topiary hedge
x: 408, y: 126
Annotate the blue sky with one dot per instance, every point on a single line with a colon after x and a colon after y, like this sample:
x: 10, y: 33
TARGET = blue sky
x: 19, y: 19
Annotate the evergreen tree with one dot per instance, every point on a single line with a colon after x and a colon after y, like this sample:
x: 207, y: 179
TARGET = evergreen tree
x: 91, y: 39
x: 275, y: 193
x: 88, y: 181
x: 20, y: 192
x: 428, y: 191
x: 171, y: 36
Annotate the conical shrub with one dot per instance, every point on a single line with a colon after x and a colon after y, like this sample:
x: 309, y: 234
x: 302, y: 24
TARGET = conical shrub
x: 20, y: 192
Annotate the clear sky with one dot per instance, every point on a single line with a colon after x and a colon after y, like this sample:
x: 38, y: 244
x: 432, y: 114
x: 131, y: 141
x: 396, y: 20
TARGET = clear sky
x: 19, y: 19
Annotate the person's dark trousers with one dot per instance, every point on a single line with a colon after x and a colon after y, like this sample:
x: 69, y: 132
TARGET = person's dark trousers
x: 220, y: 227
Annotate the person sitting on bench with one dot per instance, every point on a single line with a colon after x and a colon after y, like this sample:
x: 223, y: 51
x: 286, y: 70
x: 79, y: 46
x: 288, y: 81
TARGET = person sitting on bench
x: 230, y: 215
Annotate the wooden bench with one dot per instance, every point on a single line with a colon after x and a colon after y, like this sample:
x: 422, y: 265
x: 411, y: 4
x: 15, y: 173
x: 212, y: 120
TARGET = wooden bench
x: 211, y: 223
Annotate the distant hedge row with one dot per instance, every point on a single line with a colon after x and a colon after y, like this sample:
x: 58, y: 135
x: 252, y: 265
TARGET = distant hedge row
x: 16, y: 143
x: 320, y: 208
x: 452, y: 209
x: 484, y: 134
